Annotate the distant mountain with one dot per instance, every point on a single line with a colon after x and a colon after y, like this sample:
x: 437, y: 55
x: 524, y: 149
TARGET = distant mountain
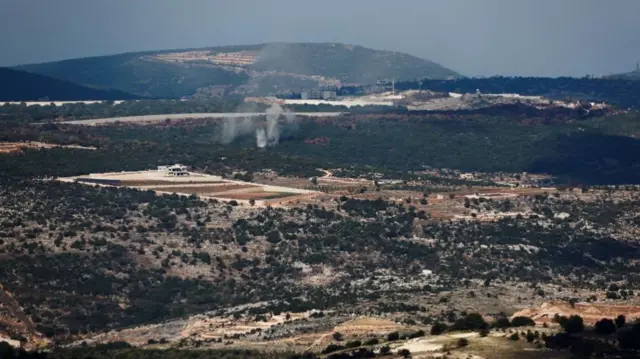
x: 18, y: 85
x: 258, y: 69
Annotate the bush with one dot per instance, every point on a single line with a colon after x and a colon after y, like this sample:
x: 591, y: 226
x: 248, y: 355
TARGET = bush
x: 438, y: 328
x: 332, y: 348
x: 605, y: 326
x: 514, y: 336
x: 530, y: 336
x: 405, y: 353
x: 393, y: 336
x: 372, y: 341
x: 522, y: 322
x: 353, y: 344
x: 502, y: 322
x: 472, y: 321
x: 337, y: 336
x: 462, y: 342
x: 574, y: 324
x: 385, y: 350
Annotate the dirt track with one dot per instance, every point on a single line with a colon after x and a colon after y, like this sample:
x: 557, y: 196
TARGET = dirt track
x: 181, y: 116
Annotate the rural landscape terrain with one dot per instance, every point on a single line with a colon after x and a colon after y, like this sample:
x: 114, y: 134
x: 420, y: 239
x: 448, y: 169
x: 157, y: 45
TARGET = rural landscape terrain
x: 315, y: 201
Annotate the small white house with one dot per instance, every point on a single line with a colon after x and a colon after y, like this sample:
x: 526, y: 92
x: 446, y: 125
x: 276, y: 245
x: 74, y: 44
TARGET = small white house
x: 174, y: 170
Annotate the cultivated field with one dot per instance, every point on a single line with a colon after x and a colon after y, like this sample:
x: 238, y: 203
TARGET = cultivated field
x: 202, y: 185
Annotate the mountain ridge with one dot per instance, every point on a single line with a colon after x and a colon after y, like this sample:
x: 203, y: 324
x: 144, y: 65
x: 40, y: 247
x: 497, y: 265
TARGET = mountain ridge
x: 259, y: 68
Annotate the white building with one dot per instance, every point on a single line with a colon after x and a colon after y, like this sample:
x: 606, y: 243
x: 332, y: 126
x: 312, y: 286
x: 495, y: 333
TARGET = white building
x: 174, y: 171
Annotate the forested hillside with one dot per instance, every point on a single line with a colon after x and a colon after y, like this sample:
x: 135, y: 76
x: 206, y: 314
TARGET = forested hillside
x: 24, y: 86
x: 268, y: 68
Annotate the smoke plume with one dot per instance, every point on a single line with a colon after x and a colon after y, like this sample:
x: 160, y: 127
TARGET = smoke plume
x: 261, y: 138
x: 267, y: 133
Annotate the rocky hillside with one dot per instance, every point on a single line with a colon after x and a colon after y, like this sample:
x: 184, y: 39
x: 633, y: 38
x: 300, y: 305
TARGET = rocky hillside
x: 265, y: 68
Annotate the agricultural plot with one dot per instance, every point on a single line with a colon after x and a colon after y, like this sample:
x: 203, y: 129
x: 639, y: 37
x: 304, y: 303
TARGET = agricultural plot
x: 202, y: 185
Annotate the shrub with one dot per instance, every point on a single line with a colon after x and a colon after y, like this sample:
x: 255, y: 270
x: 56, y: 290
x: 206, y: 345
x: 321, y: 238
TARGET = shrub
x: 502, y: 322
x: 353, y: 344
x: 438, y: 328
x: 462, y: 342
x: 393, y: 336
x: 522, y: 322
x: 332, y: 348
x: 372, y: 341
x: 514, y: 336
x: 385, y: 350
x: 605, y: 326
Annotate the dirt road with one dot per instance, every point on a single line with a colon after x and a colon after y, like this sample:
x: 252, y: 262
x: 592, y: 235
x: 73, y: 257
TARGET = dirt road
x: 16, y: 311
x: 180, y: 116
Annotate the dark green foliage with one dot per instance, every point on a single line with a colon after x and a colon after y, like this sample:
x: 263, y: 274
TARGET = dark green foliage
x: 332, y: 348
x: 346, y: 62
x: 136, y: 75
x: 462, y: 342
x: 337, y: 336
x: 515, y: 336
x: 629, y: 338
x: 18, y: 85
x: 502, y: 322
x: 140, y: 74
x: 472, y: 321
x: 621, y: 321
x: 438, y: 328
x: 353, y: 344
x: 372, y: 341
x: 591, y: 151
x: 530, y: 336
x: 522, y: 322
x: 572, y: 325
x: 605, y: 326
x: 81, y: 111
x: 393, y: 336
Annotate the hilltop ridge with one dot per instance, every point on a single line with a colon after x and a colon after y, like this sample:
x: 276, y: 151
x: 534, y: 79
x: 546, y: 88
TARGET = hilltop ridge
x: 264, y: 68
x: 23, y: 86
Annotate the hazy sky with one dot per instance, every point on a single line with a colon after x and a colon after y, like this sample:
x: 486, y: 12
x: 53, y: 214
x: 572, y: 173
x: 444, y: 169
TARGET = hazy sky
x: 474, y: 37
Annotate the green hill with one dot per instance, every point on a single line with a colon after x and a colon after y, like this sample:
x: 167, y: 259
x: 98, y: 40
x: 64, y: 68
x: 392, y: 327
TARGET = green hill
x: 23, y: 86
x: 258, y: 69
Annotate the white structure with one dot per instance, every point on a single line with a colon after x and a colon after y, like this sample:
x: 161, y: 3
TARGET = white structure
x: 174, y: 171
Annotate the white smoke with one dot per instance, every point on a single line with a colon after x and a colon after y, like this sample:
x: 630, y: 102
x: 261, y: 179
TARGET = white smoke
x: 273, y: 132
x: 267, y: 135
x: 234, y: 127
x: 261, y: 138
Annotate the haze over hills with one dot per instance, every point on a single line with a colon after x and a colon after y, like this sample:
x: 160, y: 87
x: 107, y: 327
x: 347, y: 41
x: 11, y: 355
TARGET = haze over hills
x: 24, y: 86
x: 264, y: 68
x: 632, y: 75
